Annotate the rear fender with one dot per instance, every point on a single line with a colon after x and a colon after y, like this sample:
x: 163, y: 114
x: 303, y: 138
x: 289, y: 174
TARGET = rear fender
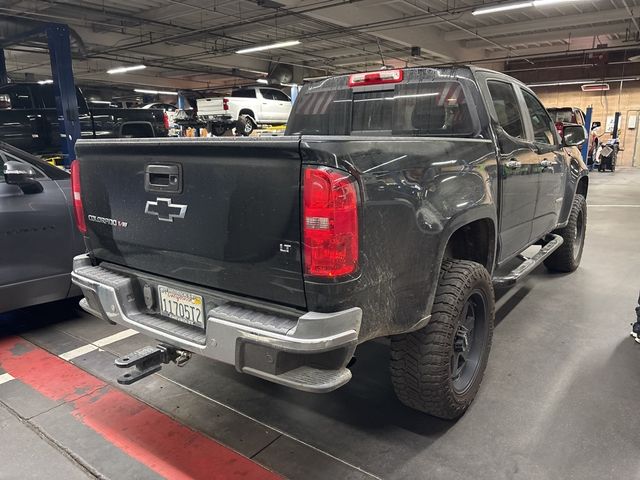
x: 468, y: 218
x: 577, y: 182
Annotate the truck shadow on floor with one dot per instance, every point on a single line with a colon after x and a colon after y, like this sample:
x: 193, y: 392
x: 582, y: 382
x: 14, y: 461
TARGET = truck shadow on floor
x: 366, y: 405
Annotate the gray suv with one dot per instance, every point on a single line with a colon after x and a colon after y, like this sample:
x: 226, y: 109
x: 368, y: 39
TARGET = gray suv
x: 38, y: 238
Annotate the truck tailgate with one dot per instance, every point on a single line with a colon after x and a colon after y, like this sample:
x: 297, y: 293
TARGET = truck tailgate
x: 210, y: 106
x: 220, y: 213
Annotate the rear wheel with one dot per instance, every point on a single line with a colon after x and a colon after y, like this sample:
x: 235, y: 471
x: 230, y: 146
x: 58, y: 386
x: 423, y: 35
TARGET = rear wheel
x: 218, y: 130
x: 567, y: 257
x: 438, y: 369
x: 245, y: 125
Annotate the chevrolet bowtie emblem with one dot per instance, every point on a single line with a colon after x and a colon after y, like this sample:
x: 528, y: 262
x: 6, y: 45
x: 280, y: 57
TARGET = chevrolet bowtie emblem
x: 165, y: 210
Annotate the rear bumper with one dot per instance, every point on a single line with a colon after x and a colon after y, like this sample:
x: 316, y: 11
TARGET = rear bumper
x: 307, y: 351
x: 223, y: 119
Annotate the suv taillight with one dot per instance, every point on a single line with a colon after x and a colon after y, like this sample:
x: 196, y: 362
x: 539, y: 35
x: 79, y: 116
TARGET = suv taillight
x: 78, y: 209
x: 225, y: 104
x: 165, y: 119
x: 330, y: 222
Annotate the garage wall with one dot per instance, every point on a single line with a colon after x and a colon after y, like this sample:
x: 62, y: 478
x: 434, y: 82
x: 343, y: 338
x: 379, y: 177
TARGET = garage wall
x: 604, y: 104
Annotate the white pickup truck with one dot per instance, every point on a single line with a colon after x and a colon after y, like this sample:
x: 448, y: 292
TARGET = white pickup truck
x: 245, y: 109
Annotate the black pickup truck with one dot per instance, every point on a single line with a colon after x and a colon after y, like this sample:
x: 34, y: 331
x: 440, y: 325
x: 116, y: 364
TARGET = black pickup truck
x: 29, y: 119
x: 386, y: 210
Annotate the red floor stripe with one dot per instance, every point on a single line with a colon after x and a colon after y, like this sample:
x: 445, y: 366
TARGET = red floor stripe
x: 151, y: 437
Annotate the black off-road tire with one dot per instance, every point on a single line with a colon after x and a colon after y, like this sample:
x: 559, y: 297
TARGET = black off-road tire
x: 422, y: 361
x: 245, y: 125
x: 218, y: 130
x: 567, y: 258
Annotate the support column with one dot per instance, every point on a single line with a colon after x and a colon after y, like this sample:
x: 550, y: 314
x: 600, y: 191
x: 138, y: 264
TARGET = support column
x: 616, y: 125
x: 294, y: 92
x: 64, y: 88
x: 4, y: 78
x: 587, y: 126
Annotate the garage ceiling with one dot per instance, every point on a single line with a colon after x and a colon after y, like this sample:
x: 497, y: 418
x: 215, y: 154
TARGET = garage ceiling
x: 191, y: 44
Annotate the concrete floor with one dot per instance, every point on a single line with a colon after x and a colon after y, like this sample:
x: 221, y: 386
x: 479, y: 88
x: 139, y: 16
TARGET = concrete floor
x: 560, y: 398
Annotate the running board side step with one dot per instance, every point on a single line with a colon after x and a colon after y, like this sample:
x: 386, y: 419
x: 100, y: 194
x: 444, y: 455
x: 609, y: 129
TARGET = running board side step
x: 529, y: 264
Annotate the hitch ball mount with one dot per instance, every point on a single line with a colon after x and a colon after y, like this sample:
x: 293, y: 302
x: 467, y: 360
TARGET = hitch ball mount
x: 148, y: 360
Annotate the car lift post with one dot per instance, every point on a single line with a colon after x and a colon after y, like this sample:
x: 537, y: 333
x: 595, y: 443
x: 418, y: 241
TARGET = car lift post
x: 295, y: 89
x: 587, y: 126
x: 616, y: 125
x: 4, y: 78
x: 65, y: 89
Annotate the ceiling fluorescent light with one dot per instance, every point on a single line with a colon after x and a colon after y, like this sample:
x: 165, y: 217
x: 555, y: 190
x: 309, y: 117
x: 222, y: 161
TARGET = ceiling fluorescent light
x: 154, y: 92
x: 544, y: 3
x: 271, y: 46
x: 45, y: 82
x: 502, y: 8
x: 257, y: 72
x: 126, y: 69
x: 263, y: 80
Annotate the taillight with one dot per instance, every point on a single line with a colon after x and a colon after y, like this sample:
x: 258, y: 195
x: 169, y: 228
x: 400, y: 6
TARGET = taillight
x: 330, y: 222
x: 165, y: 119
x: 560, y: 128
x: 375, y: 78
x: 225, y: 104
x: 78, y: 209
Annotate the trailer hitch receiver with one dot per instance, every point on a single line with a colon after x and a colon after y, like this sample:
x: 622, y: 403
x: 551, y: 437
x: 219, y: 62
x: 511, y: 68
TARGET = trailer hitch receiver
x: 148, y: 360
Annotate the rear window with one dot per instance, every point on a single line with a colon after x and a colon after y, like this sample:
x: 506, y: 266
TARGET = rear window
x: 562, y: 115
x: 414, y: 109
x: 244, y: 93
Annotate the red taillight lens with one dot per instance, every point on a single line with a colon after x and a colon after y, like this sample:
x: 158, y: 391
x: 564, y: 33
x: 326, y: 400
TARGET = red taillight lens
x: 165, y: 119
x: 330, y: 222
x: 78, y: 209
x: 225, y: 104
x: 375, y: 78
x: 560, y: 128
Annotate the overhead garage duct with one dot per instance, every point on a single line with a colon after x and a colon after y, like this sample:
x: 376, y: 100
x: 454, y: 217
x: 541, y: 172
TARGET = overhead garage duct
x: 281, y: 73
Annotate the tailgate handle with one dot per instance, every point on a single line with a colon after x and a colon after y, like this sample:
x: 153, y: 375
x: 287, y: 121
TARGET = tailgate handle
x: 163, y: 178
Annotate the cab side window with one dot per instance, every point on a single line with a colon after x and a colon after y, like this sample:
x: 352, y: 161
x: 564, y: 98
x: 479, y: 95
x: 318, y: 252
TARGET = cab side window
x: 280, y: 96
x: 267, y: 93
x: 506, y: 107
x: 18, y: 96
x: 5, y: 101
x: 543, y: 126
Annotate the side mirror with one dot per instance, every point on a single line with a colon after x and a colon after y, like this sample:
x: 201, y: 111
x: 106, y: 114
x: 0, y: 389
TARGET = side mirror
x: 595, y: 125
x: 573, y: 135
x: 21, y: 175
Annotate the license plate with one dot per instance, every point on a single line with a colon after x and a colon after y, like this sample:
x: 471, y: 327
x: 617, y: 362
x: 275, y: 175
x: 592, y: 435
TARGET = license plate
x: 182, y: 306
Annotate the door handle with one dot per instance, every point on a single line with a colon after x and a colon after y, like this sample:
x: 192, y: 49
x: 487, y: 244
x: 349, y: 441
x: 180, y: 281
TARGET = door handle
x: 513, y: 164
x: 163, y: 178
x: 545, y: 163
